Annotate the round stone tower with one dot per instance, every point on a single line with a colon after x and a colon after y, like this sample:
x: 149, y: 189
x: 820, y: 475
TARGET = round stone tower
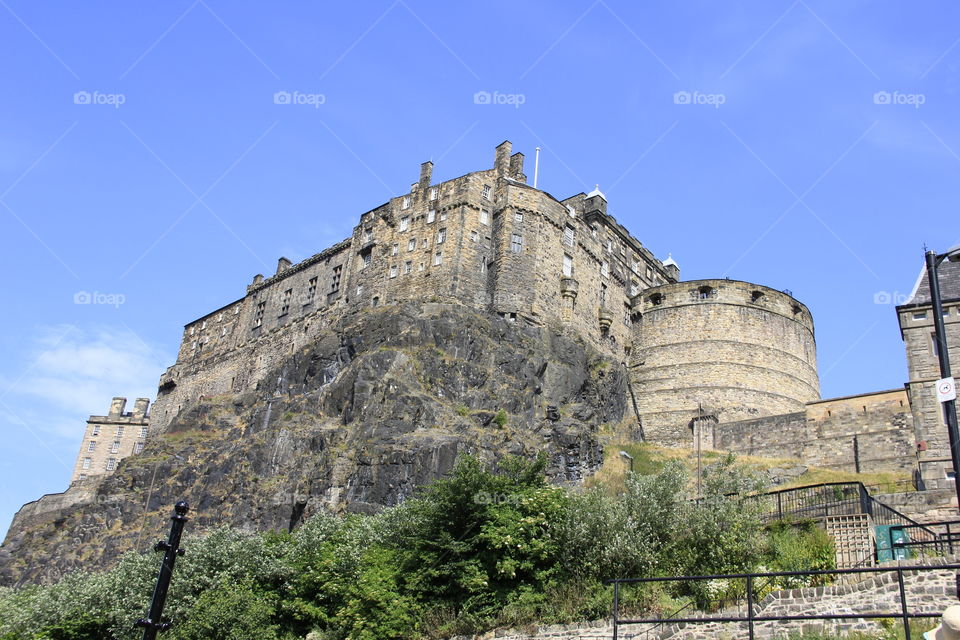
x: 723, y: 349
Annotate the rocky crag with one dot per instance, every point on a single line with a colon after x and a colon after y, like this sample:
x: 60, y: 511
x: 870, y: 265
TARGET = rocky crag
x: 375, y: 407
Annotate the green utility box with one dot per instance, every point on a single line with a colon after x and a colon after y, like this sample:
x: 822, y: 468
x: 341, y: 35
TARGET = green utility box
x: 887, y: 535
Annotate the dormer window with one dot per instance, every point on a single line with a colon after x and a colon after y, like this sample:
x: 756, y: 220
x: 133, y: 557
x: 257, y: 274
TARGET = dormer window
x: 433, y: 193
x: 406, y: 202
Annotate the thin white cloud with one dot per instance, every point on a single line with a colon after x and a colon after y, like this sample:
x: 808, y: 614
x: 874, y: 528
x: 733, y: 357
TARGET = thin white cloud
x: 71, y: 374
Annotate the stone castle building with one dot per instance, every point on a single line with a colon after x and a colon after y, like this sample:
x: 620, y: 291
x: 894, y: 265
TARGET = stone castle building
x: 730, y: 363
x: 916, y: 328
x: 110, y: 438
x: 490, y: 241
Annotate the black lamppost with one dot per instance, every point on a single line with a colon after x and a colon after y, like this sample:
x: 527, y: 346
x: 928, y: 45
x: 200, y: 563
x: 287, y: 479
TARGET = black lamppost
x: 171, y: 548
x: 949, y: 406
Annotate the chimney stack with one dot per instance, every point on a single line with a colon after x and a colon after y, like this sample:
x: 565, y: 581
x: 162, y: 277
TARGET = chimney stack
x: 426, y: 174
x: 502, y: 159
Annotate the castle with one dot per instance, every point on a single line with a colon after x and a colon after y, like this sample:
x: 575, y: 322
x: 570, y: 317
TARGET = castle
x: 728, y: 363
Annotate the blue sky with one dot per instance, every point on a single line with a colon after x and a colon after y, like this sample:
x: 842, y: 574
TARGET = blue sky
x: 808, y: 145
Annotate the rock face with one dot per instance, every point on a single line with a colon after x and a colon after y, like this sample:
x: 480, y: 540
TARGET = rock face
x: 356, y: 420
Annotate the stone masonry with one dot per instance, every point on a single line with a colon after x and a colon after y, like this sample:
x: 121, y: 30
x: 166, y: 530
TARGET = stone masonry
x: 110, y: 438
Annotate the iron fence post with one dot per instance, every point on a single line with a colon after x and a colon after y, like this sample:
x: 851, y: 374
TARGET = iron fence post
x: 779, y: 506
x: 171, y: 548
x: 750, y: 605
x: 616, y: 606
x: 949, y: 539
x: 903, y: 604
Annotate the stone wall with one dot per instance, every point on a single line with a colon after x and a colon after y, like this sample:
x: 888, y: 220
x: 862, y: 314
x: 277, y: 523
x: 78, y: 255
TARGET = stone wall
x: 731, y: 349
x: 869, y: 432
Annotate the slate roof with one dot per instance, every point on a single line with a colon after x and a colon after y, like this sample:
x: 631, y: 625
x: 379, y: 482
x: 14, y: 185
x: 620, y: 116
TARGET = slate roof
x: 948, y: 273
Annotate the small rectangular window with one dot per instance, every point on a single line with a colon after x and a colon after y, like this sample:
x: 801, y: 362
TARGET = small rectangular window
x: 406, y: 202
x: 367, y: 258
x: 115, y: 447
x: 420, y: 267
x: 443, y: 216
x: 433, y: 193
x: 567, y: 265
x: 438, y: 259
x: 411, y: 244
x: 605, y: 268
x: 119, y: 432
x: 486, y: 192
x: 367, y: 234
x: 86, y: 463
x: 568, y: 236
x: 394, y: 249
x: 92, y: 445
x: 474, y: 236
x: 96, y: 430
x: 407, y: 267
x: 143, y: 432
x: 137, y: 448
x: 393, y: 271
x: 359, y: 290
x: 919, y: 315
x: 335, y: 284
x: 483, y: 265
x: 441, y: 236
x: 431, y: 216
x: 404, y: 223
x: 484, y: 216
x: 518, y: 216
x: 516, y: 243
x: 111, y: 464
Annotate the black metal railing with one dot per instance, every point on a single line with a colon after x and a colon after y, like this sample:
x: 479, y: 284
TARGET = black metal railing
x: 915, y: 538
x: 904, y: 614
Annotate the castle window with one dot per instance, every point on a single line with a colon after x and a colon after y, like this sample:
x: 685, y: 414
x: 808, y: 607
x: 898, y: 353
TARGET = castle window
x: 111, y: 464
x: 285, y: 306
x: 115, y: 447
x: 394, y: 249
x: 119, y: 432
x: 137, y: 448
x: 431, y: 215
x: 404, y: 223
x: 376, y: 301
x: 433, y: 193
x: 626, y: 315
x: 441, y: 236
x: 420, y: 267
x: 359, y: 290
x: 656, y: 299
x: 636, y: 267
x: 796, y: 309
x: 92, y: 445
x: 486, y: 192
x: 438, y: 258
x: 337, y: 271
x: 920, y: 315
x: 367, y: 257
x: 86, y: 463
x: 96, y: 430
x: 705, y: 292
x: 424, y: 242
x: 484, y: 216
x: 483, y: 265
x: 143, y: 432
x: 568, y: 236
x: 609, y: 245
x: 634, y: 289
x: 443, y: 216
x: 406, y: 202
x: 411, y: 244
x: 603, y: 295
x: 393, y: 271
x: 605, y: 269
x: 756, y: 296
x: 258, y: 316
x: 407, y: 267
x: 518, y: 216
x: 516, y: 243
x: 312, y: 289
x: 474, y: 236
x: 567, y: 265
x: 648, y: 273
x: 368, y: 234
